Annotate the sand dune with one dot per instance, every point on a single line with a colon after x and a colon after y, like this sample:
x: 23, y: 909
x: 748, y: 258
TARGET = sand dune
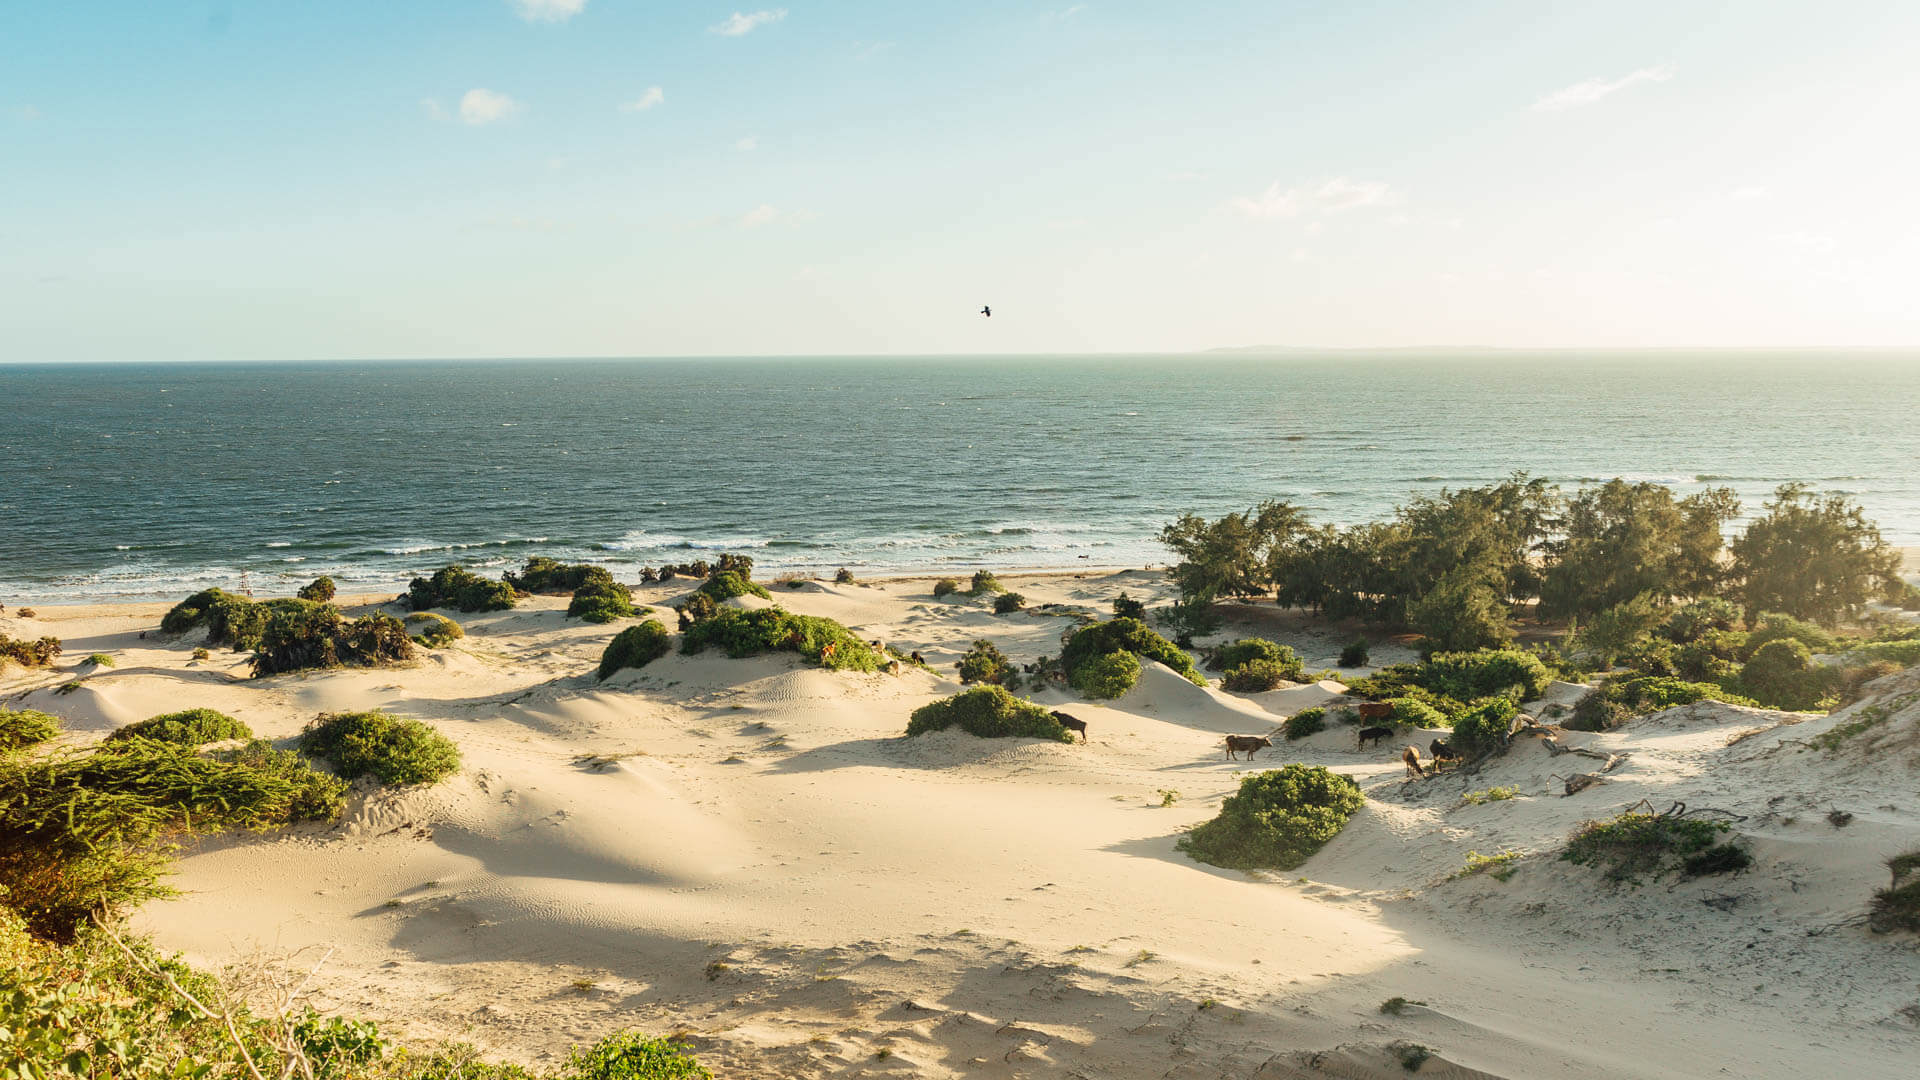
x: 747, y: 851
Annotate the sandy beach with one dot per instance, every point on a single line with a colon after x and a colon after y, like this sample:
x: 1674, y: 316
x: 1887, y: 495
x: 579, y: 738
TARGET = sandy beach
x: 750, y: 854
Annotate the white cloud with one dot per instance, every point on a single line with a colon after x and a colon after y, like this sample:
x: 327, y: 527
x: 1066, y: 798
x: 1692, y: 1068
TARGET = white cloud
x: 549, y: 10
x: 1592, y: 90
x: 648, y: 100
x: 1328, y: 197
x: 481, y: 106
x: 751, y: 142
x: 736, y: 24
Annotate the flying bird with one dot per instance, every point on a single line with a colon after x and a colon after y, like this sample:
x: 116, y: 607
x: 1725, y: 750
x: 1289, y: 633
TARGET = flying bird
x: 987, y: 311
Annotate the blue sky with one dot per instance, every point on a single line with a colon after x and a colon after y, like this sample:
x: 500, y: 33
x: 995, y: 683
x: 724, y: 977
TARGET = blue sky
x: 267, y: 181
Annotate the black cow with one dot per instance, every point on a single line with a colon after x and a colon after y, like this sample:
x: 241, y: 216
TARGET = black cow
x: 1072, y: 723
x: 1374, y: 734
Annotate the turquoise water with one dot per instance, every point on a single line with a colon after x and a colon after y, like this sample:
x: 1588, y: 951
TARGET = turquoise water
x: 146, y: 481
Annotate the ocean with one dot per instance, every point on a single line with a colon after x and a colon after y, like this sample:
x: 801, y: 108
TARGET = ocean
x: 148, y: 481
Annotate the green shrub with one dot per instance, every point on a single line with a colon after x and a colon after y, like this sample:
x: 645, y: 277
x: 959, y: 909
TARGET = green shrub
x: 1777, y: 627
x: 989, y: 712
x: 100, y: 659
x: 553, y: 577
x: 1414, y: 713
x: 189, y: 727
x: 1106, y: 676
x: 435, y: 631
x: 458, y: 588
x: 391, y: 749
x: 300, y: 635
x: 1008, y: 603
x: 946, y: 586
x: 730, y: 563
x: 1782, y: 675
x: 1598, y: 712
x: 319, y: 590
x: 1710, y: 657
x: 1897, y: 907
x: 602, y: 602
x: 1356, y: 654
x: 749, y: 633
x: 1260, y: 674
x: 1228, y: 657
x: 225, y: 616
x: 338, y: 1046
x: 984, y: 663
x: 634, y: 647
x: 1485, y: 673
x: 1903, y: 653
x: 1126, y: 607
x: 1277, y: 819
x: 984, y: 582
x: 843, y: 576
x: 633, y: 1056
x: 1482, y: 732
x: 36, y: 653
x: 1691, y: 622
x: 725, y: 585
x: 696, y: 608
x: 1462, y: 611
x: 201, y: 654
x: 1305, y: 722
x: 21, y: 728
x: 1635, y: 844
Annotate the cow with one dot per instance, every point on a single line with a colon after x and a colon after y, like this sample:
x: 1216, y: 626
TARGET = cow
x: 1072, y: 723
x: 1442, y: 752
x: 1374, y: 710
x: 1251, y: 744
x: 1411, y: 758
x: 1374, y: 735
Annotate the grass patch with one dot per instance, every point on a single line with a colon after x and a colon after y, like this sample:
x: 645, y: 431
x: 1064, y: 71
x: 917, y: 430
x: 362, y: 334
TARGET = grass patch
x: 1396, y: 1005
x: 1411, y: 1056
x: 99, y: 659
x: 989, y: 712
x: 634, y: 647
x: 1634, y: 845
x: 433, y: 630
x: 1499, y: 867
x: 750, y: 633
x: 1897, y: 907
x: 189, y: 727
x: 391, y: 749
x: 1492, y: 794
x: 1277, y: 819
x: 1863, y: 721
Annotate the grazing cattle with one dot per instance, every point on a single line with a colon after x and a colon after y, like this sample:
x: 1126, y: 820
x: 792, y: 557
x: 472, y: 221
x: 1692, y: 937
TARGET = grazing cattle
x: 893, y: 667
x: 1072, y: 723
x: 1374, y: 735
x: 1251, y: 744
x: 916, y: 657
x: 1374, y: 710
x: 826, y: 652
x: 1442, y: 752
x: 1411, y: 758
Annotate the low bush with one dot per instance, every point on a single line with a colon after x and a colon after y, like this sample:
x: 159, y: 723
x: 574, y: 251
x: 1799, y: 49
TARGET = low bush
x: 1482, y: 731
x: 21, y: 728
x: 37, y: 653
x: 989, y: 712
x: 726, y: 584
x: 99, y: 659
x: 1260, y: 674
x: 189, y: 727
x: 1782, y: 675
x: 1777, y: 627
x: 1277, y: 819
x: 1897, y: 907
x: 433, y: 630
x: 391, y: 749
x: 1126, y: 607
x: 1634, y: 844
x: 843, y: 576
x: 1485, y: 673
x: 985, y: 663
x: 458, y: 588
x: 946, y: 586
x: 602, y: 602
x: 749, y: 633
x: 1106, y: 676
x: 320, y: 590
x: 634, y: 647
x: 633, y: 1056
x: 300, y: 635
x: 1008, y: 603
x: 730, y: 563
x: 983, y: 583
x: 1414, y: 713
x: 216, y: 609
x: 1356, y: 654
x: 555, y: 578
x: 202, y: 654
x: 1304, y: 723
x: 1228, y: 657
x: 1711, y: 657
x: 1903, y: 653
x: 1691, y: 622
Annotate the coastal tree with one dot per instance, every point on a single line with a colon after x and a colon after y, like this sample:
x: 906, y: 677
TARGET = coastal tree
x: 1622, y: 540
x: 1812, y: 556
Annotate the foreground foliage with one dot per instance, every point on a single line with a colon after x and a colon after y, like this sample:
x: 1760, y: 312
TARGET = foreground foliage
x: 39, y: 652
x: 989, y: 712
x: 391, y: 749
x: 1277, y: 819
x: 21, y: 728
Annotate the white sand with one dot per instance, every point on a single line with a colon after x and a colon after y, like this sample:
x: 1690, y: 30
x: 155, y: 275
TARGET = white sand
x: 771, y: 869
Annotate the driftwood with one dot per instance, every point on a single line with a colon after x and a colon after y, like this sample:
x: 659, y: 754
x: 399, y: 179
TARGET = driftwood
x: 1555, y: 749
x: 1578, y: 782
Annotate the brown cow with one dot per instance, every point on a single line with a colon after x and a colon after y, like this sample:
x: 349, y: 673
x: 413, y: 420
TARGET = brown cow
x: 1072, y: 723
x: 1442, y: 753
x: 1251, y: 744
x: 1375, y: 710
x: 1411, y: 758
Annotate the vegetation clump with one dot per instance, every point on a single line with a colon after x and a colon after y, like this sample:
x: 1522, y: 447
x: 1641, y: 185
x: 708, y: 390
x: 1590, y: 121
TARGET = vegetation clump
x: 458, y: 588
x: 634, y: 647
x: 1255, y: 676
x: 434, y: 630
x: 391, y: 749
x: 1248, y: 650
x: 749, y: 633
x: 1277, y: 819
x: 555, y: 578
x: 1897, y: 907
x: 983, y: 583
x: 1126, y: 607
x: 1622, y: 699
x: 300, y: 635
x: 1008, y: 603
x: 189, y: 728
x: 1633, y: 845
x: 989, y: 712
x: 21, y: 728
x: 601, y: 601
x: 34, y: 654
x: 946, y: 586
x: 985, y: 663
x: 1305, y: 722
x: 1482, y: 731
x: 727, y: 584
x: 843, y: 576
x: 1356, y: 654
x: 1091, y: 657
x: 319, y: 590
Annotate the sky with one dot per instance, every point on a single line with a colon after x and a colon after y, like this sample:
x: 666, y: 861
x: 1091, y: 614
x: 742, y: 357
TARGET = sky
x: 265, y: 181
